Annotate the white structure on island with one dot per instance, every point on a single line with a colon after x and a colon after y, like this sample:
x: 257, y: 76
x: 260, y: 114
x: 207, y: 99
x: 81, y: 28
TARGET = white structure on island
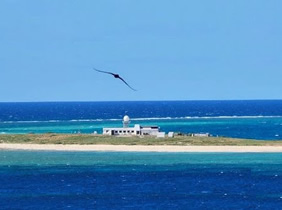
x: 137, y: 130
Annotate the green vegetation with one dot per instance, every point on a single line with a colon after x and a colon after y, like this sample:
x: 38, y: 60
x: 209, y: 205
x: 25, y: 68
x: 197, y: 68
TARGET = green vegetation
x: 99, y: 139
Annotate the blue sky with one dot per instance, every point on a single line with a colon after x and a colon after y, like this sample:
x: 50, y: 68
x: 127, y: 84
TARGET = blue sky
x: 167, y: 50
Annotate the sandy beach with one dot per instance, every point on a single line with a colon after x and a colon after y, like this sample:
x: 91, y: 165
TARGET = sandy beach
x: 139, y: 148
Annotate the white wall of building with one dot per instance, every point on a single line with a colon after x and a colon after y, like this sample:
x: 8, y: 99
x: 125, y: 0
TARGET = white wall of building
x: 137, y: 130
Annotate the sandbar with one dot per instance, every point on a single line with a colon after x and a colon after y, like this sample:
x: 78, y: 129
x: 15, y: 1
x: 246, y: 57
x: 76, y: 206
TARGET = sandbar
x: 140, y: 148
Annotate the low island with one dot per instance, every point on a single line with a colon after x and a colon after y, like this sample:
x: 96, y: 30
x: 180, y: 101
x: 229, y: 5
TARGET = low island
x: 90, y: 142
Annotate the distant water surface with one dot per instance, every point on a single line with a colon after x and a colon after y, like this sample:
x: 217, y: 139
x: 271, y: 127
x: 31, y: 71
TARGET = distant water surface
x: 261, y: 119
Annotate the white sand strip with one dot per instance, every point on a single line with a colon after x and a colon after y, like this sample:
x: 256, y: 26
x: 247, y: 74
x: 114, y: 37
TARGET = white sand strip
x: 139, y: 148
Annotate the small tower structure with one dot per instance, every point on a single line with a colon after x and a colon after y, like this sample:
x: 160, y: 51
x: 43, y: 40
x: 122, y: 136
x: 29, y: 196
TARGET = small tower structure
x: 126, y: 121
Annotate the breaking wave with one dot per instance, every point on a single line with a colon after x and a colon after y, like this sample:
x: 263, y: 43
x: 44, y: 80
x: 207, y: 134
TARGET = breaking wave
x: 144, y: 119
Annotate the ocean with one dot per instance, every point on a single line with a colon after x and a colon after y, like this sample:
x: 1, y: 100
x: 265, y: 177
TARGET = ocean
x: 257, y: 119
x: 142, y: 180
x: 120, y: 180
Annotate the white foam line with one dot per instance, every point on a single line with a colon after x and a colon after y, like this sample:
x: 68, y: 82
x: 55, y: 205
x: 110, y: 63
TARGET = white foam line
x: 149, y: 118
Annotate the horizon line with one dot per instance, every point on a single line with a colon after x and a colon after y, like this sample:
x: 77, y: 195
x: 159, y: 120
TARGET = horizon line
x: 171, y: 100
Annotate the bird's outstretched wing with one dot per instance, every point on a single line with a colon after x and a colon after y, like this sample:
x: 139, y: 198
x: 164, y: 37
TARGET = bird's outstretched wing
x: 127, y: 84
x: 106, y: 72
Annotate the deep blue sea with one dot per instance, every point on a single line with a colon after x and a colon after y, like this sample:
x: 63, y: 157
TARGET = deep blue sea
x: 257, y: 119
x: 120, y: 180
x: 130, y: 180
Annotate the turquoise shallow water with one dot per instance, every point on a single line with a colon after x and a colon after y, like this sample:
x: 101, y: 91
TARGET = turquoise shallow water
x: 119, y: 180
x: 45, y: 158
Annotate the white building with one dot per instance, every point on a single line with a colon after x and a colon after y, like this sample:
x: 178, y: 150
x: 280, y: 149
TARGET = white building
x: 201, y: 134
x: 137, y: 130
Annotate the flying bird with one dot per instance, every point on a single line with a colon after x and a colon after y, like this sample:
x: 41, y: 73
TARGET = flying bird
x: 115, y: 76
